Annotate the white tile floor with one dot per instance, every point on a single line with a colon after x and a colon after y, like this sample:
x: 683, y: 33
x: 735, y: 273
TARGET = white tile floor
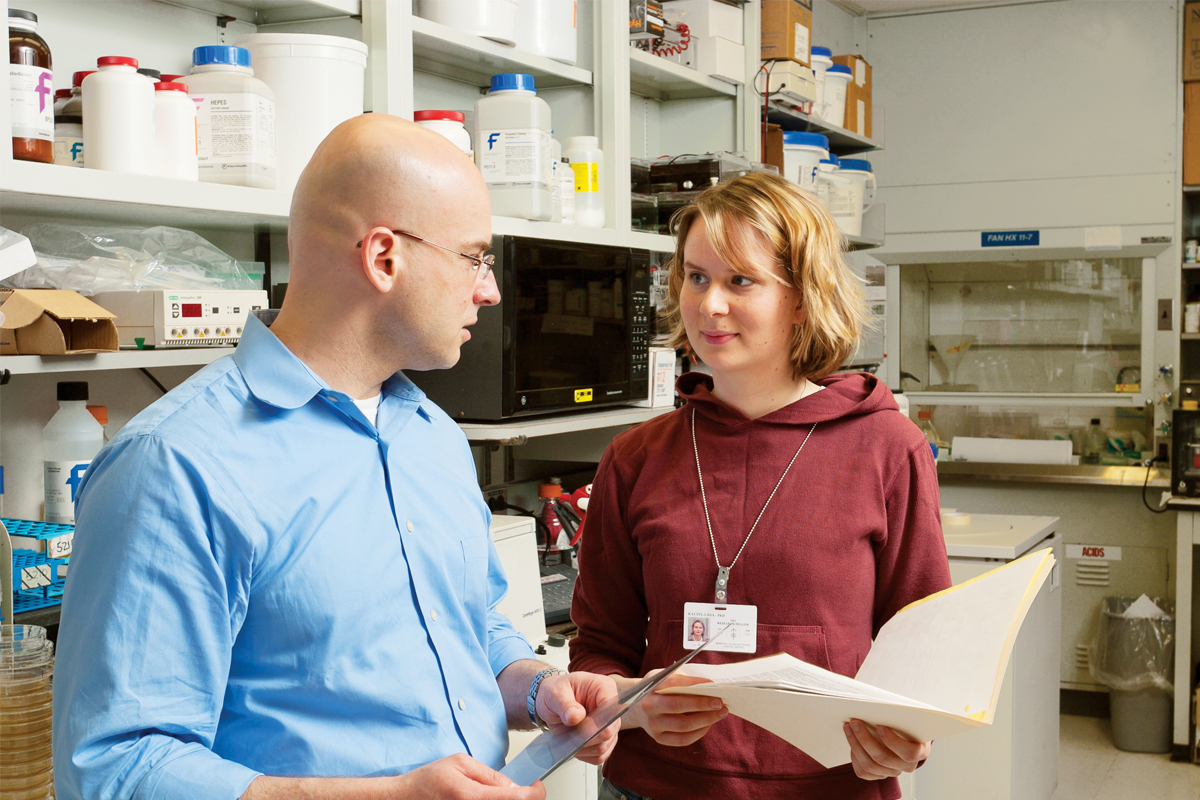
x: 1090, y: 767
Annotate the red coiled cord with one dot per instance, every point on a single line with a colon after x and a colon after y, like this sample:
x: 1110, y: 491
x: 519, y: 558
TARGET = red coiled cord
x: 685, y: 38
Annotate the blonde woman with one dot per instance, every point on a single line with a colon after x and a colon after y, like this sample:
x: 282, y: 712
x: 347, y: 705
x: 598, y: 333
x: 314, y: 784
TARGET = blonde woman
x: 796, y: 499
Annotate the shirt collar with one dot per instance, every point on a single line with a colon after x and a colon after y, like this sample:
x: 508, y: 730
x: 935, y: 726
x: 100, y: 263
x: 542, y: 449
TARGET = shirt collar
x: 277, y: 377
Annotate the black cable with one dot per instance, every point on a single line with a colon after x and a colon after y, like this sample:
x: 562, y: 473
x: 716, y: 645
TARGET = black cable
x: 153, y: 380
x: 1145, y: 483
x: 541, y: 526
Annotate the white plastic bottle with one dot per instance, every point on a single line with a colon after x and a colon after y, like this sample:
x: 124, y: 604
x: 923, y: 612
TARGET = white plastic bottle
x: 118, y: 118
x: 448, y: 124
x: 555, y: 189
x: 175, y: 131
x: 512, y: 147
x: 566, y: 190
x: 548, y: 28
x: 68, y: 126
x: 587, y: 162
x: 235, y: 118
x: 821, y: 60
x: 70, y: 440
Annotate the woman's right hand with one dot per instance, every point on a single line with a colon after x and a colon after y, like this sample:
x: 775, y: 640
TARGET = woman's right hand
x: 673, y: 719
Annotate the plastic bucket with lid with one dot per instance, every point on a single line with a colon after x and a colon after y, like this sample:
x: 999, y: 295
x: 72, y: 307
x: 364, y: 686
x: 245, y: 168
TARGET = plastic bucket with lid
x: 318, y: 84
x: 802, y: 153
x: 836, y: 193
x: 821, y: 59
x: 859, y: 171
x: 837, y: 78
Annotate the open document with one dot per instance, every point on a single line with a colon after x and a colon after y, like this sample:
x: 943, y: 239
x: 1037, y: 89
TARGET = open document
x: 934, y: 670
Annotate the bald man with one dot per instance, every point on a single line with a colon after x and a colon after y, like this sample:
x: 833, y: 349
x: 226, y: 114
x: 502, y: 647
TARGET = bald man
x: 282, y: 573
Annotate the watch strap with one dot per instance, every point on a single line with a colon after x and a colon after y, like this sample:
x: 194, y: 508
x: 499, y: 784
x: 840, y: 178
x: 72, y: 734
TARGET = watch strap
x: 531, y: 699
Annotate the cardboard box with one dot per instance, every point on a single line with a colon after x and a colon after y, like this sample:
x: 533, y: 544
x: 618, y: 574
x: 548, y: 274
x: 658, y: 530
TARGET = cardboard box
x: 774, y: 155
x: 707, y: 18
x: 858, y: 95
x: 791, y: 83
x: 662, y: 378
x: 53, y: 322
x: 718, y: 57
x: 1191, y: 42
x: 1191, y: 134
x: 786, y: 30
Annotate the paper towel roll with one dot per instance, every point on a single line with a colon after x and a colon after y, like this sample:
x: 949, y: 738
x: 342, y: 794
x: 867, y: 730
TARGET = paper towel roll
x: 1012, y: 451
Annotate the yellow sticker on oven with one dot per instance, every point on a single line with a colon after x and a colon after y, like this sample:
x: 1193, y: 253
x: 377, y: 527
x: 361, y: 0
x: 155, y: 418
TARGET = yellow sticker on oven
x: 583, y: 395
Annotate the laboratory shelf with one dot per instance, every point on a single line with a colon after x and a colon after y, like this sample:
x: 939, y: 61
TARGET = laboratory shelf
x: 267, y: 12
x: 123, y: 359
x: 862, y: 243
x: 661, y: 79
x: 556, y: 231
x: 1188, y: 337
x: 1010, y: 399
x: 841, y: 141
x: 440, y: 50
x: 31, y: 188
x: 517, y: 431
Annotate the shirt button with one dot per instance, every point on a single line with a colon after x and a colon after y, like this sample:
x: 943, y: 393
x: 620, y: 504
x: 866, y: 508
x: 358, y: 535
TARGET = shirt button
x: 410, y: 526
x: 433, y: 615
x: 462, y: 704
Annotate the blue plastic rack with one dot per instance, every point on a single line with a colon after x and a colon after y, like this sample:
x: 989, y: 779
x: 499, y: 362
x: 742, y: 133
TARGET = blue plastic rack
x: 38, y: 574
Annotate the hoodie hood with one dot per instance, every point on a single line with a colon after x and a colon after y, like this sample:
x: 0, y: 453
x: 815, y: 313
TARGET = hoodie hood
x: 846, y: 395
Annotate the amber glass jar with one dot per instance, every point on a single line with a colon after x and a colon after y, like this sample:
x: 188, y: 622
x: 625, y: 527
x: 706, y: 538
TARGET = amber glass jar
x: 31, y: 88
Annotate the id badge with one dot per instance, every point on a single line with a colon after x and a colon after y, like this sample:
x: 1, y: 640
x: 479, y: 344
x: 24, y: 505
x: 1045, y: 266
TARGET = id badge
x: 704, y: 620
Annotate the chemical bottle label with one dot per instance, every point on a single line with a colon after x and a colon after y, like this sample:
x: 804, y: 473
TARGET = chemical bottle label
x: 68, y: 144
x: 32, y: 107
x: 514, y: 156
x: 62, y: 482
x: 587, y: 176
x: 234, y: 130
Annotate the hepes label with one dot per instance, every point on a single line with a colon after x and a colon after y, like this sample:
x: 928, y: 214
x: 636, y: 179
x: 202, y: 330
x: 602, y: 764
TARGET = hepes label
x: 1094, y: 552
x: 514, y: 156
x: 235, y: 129
x: 32, y: 107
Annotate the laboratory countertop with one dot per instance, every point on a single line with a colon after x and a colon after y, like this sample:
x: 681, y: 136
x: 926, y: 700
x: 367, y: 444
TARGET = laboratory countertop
x: 1055, y: 473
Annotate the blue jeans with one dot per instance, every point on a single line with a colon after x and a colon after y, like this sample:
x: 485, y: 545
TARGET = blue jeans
x: 610, y: 791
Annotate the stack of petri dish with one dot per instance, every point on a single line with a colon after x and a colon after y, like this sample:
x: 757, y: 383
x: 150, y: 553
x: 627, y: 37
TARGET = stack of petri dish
x: 26, y: 676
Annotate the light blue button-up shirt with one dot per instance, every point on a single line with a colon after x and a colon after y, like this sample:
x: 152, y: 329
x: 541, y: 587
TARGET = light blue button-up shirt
x: 263, y: 582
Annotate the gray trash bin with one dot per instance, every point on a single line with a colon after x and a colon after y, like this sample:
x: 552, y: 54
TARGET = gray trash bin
x: 1135, y: 658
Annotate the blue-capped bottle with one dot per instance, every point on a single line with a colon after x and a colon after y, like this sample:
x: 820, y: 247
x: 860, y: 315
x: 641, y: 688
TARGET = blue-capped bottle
x: 512, y: 147
x: 235, y: 118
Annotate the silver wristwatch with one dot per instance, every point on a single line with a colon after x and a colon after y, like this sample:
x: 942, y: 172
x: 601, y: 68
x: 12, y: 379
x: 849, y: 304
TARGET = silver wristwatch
x: 531, y: 699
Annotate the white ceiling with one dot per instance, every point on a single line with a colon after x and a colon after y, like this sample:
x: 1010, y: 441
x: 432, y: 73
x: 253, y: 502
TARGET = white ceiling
x: 881, y: 7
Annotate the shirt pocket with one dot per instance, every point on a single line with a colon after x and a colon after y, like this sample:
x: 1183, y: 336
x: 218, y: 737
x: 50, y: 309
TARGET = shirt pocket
x: 475, y: 554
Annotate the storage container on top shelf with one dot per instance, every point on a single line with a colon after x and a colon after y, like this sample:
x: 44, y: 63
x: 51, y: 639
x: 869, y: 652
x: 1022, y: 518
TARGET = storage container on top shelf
x: 497, y: 20
x: 822, y: 60
x: 68, y: 125
x: 118, y: 118
x: 837, y: 78
x: 548, y: 28
x: 30, y: 89
x: 512, y: 147
x: 235, y: 118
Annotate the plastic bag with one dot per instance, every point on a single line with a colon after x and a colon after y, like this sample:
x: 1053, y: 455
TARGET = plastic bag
x: 1131, y: 654
x: 97, y: 259
x: 16, y: 253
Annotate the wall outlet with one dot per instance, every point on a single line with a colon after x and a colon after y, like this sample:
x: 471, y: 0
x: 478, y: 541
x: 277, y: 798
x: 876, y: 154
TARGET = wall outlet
x: 1166, y: 314
x: 497, y: 499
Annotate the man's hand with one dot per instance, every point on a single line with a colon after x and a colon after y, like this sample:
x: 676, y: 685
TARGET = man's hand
x: 460, y: 777
x: 881, y: 752
x: 674, y: 719
x: 567, y: 699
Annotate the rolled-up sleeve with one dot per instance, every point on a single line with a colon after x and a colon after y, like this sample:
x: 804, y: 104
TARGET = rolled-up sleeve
x: 505, y: 644
x: 155, y: 597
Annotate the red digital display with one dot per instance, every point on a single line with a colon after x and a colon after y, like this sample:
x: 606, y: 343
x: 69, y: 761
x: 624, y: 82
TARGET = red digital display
x: 191, y: 309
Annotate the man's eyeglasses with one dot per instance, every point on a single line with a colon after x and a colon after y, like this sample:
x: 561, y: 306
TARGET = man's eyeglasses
x: 487, y: 262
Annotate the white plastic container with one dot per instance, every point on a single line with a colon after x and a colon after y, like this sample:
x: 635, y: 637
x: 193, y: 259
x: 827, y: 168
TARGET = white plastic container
x: 802, y: 155
x: 448, y: 124
x: 512, y: 147
x: 821, y: 60
x: 235, y: 118
x: 318, y: 84
x: 836, y: 193
x: 548, y: 28
x: 68, y: 126
x: 497, y: 20
x: 555, y: 189
x: 118, y: 118
x: 175, y: 132
x: 587, y: 162
x: 566, y: 191
x: 863, y: 189
x: 837, y: 78
x: 70, y: 441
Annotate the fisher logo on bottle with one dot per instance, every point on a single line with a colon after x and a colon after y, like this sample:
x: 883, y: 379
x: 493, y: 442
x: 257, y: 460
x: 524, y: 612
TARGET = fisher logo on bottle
x: 62, y: 484
x: 45, y: 87
x: 492, y: 140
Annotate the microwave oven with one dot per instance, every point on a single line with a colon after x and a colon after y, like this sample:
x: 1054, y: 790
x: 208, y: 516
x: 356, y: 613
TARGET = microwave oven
x: 571, y: 333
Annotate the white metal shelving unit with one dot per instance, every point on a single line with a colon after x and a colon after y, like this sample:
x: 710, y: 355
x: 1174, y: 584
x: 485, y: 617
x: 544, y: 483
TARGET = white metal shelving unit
x: 123, y: 359
x: 519, y: 430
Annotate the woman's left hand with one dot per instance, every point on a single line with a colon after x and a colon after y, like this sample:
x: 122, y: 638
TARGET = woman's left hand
x: 881, y: 752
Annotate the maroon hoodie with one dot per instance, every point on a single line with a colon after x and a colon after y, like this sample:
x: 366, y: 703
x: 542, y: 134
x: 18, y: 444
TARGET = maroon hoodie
x: 852, y: 536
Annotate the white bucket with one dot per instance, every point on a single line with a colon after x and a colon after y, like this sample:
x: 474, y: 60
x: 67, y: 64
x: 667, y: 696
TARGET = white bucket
x: 492, y: 19
x: 547, y: 28
x: 836, y: 193
x: 821, y: 59
x: 837, y: 78
x: 802, y: 154
x: 860, y: 173
x: 318, y: 84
